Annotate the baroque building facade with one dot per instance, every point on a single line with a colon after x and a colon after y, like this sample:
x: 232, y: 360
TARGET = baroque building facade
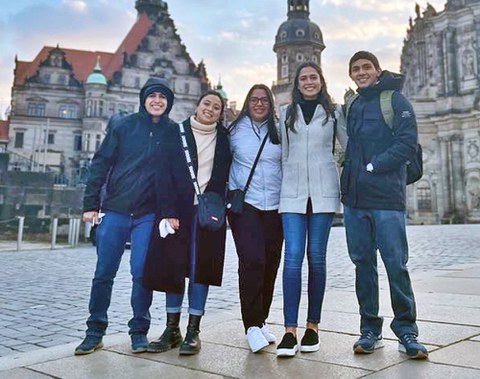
x: 297, y: 40
x: 441, y: 62
x: 62, y: 100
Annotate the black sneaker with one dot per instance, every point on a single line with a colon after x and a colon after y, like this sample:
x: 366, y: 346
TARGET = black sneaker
x: 368, y: 342
x: 288, y: 347
x: 310, y: 342
x: 89, y: 345
x: 409, y: 345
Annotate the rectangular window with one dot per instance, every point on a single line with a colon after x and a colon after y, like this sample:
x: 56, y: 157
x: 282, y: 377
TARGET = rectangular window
x: 77, y: 142
x: 100, y: 108
x: 98, y: 141
x: 51, y: 138
x: 284, y: 71
x: 36, y: 109
x: 111, y: 109
x: 19, y: 140
x: 67, y: 111
x: 62, y: 79
x: 187, y: 88
x: 137, y: 82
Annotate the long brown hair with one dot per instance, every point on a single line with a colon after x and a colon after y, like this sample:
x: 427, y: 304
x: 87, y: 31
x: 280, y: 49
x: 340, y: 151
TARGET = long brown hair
x: 271, y: 117
x: 323, y: 97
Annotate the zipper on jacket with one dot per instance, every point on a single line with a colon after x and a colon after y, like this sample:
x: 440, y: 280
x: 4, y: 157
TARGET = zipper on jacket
x: 308, y: 168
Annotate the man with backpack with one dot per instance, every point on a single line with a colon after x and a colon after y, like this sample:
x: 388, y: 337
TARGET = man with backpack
x: 382, y: 140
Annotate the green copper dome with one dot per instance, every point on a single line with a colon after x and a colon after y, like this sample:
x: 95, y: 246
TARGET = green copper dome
x: 219, y: 89
x: 96, y: 77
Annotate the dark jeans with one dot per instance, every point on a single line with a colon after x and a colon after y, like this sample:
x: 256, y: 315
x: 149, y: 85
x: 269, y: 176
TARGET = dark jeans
x: 296, y: 226
x: 258, y: 240
x: 112, y: 234
x: 197, y: 292
x: 367, y: 230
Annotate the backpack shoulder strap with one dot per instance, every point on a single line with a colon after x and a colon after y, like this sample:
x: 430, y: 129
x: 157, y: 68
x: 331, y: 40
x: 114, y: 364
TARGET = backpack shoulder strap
x: 349, y: 98
x: 387, y: 108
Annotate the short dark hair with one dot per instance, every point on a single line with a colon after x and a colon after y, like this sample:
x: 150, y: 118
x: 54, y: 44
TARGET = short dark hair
x: 363, y: 55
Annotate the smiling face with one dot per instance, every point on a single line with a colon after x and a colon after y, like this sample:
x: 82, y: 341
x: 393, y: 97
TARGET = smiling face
x: 156, y: 104
x: 208, y: 110
x: 258, y: 105
x: 364, y: 73
x: 309, y: 83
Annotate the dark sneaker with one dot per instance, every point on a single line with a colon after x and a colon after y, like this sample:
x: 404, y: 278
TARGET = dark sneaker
x: 288, y: 347
x: 89, y: 345
x: 367, y: 343
x: 409, y: 345
x: 310, y: 342
x: 139, y: 343
x: 170, y: 338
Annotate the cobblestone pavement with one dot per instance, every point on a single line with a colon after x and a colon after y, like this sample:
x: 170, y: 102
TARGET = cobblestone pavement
x: 44, y: 293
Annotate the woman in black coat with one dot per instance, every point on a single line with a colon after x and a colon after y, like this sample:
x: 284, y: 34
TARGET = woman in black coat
x: 190, y: 251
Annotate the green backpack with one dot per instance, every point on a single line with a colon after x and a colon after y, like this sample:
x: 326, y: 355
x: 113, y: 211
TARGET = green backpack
x: 414, y: 165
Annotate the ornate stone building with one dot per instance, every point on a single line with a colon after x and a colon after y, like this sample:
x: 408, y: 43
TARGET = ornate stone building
x: 440, y: 59
x: 62, y: 100
x: 297, y: 40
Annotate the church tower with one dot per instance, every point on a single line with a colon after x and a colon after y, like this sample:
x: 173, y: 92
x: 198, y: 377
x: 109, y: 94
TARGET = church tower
x: 298, y: 40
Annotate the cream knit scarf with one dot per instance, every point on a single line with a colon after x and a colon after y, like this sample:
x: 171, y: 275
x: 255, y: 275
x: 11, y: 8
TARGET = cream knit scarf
x: 205, y: 139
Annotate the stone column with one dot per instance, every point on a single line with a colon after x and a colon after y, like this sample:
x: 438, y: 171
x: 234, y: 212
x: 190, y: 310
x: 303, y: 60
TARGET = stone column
x: 458, y: 186
x: 444, y: 184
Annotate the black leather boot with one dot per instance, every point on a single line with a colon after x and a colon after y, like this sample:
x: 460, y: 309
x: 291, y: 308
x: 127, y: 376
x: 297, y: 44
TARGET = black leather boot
x: 170, y: 338
x: 191, y: 344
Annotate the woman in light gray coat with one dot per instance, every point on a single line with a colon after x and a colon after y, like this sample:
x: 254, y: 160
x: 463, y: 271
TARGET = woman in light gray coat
x: 309, y: 198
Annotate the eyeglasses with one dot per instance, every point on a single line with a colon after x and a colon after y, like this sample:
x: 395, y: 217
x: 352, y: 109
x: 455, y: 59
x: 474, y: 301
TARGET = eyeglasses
x: 255, y: 100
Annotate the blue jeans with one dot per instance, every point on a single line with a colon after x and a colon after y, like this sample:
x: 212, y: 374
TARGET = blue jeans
x: 112, y: 234
x: 367, y: 230
x: 197, y: 293
x: 295, y: 229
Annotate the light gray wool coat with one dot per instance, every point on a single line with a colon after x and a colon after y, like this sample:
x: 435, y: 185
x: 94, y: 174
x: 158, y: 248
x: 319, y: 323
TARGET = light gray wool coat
x: 309, y: 168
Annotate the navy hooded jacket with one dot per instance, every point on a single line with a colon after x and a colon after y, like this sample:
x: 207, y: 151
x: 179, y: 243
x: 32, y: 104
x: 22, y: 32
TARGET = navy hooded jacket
x: 370, y: 140
x: 125, y: 160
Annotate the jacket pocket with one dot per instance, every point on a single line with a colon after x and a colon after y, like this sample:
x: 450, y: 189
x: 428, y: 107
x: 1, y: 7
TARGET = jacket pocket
x: 290, y: 181
x: 329, y: 180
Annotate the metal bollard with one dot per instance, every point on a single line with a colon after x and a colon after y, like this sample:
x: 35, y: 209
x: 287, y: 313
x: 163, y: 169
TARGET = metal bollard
x: 54, y: 232
x: 77, y: 231
x: 70, y: 231
x: 21, y: 222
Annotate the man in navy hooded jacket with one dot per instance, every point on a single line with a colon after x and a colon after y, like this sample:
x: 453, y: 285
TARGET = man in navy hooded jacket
x: 125, y: 164
x: 374, y: 196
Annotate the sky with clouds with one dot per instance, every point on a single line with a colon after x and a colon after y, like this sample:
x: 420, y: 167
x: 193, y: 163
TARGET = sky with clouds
x: 233, y: 37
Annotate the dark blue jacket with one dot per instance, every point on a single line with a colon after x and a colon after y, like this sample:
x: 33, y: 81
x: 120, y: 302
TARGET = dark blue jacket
x: 127, y: 158
x: 168, y: 258
x: 370, y: 140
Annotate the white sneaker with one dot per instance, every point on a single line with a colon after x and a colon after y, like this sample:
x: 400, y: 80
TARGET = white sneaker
x: 268, y: 334
x: 256, y: 339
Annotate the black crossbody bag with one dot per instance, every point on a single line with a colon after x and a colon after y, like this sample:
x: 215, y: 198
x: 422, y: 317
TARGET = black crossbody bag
x: 211, y: 206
